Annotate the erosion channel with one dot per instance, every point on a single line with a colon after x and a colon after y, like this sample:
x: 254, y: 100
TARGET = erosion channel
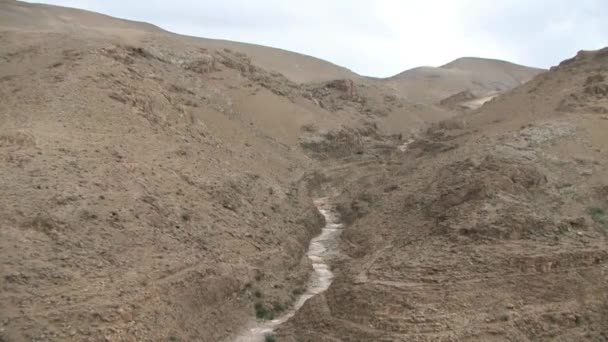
x: 320, y: 252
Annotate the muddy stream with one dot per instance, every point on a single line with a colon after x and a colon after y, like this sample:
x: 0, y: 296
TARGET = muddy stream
x: 320, y: 251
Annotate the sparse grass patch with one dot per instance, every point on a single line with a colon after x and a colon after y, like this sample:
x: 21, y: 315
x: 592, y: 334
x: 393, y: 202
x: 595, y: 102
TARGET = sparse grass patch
x: 564, y: 229
x: 599, y: 216
x: 270, y: 338
x: 568, y: 192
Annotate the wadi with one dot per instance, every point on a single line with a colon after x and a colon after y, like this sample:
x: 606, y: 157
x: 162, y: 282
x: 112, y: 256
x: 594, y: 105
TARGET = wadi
x: 159, y: 187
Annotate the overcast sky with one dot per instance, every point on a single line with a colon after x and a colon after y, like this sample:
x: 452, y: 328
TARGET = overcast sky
x: 384, y: 37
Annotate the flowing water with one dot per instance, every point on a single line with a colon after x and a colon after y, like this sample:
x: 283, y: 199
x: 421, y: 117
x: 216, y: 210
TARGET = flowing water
x: 320, y: 251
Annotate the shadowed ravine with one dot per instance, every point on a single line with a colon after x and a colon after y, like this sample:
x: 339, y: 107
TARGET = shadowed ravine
x: 320, y: 251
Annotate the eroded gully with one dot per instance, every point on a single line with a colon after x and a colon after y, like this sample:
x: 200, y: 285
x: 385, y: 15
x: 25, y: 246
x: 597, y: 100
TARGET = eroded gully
x: 320, y: 251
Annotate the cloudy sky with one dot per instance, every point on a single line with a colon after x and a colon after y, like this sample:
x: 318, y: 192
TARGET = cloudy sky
x: 384, y: 37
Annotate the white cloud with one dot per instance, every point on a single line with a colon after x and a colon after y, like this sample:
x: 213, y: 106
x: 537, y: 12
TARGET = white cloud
x: 384, y: 37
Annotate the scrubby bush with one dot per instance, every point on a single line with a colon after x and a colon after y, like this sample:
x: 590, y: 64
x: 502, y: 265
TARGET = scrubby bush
x: 261, y: 312
x: 599, y: 216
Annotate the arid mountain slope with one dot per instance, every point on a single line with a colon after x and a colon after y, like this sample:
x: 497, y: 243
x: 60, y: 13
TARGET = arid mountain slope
x: 154, y: 186
x: 491, y: 226
x: 137, y: 202
x: 159, y: 187
x: 299, y: 68
x: 473, y: 74
x: 23, y: 15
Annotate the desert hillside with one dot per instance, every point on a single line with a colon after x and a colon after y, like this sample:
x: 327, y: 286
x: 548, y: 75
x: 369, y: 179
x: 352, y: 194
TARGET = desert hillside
x: 159, y: 187
x: 37, y: 17
x: 490, y: 226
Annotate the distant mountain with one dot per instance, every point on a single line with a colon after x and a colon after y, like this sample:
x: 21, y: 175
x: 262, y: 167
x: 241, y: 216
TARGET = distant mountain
x: 479, y: 76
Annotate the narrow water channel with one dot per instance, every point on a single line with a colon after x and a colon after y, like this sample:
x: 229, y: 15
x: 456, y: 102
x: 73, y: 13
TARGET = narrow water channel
x: 320, y: 251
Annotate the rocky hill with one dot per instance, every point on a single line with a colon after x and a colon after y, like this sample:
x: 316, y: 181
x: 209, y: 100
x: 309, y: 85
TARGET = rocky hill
x: 160, y: 187
x: 156, y: 186
x: 491, y: 226
x: 36, y: 17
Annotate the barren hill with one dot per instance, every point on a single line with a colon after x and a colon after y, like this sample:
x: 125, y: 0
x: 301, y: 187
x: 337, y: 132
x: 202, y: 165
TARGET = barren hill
x: 478, y: 76
x: 491, y: 226
x: 155, y: 186
x: 160, y: 187
x: 299, y: 68
x: 35, y: 17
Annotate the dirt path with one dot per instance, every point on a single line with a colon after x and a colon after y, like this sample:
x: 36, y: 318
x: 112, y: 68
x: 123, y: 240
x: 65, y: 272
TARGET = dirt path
x: 320, y: 251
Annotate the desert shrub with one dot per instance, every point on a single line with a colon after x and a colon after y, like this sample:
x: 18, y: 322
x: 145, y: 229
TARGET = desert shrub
x: 599, y: 216
x: 262, y: 312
